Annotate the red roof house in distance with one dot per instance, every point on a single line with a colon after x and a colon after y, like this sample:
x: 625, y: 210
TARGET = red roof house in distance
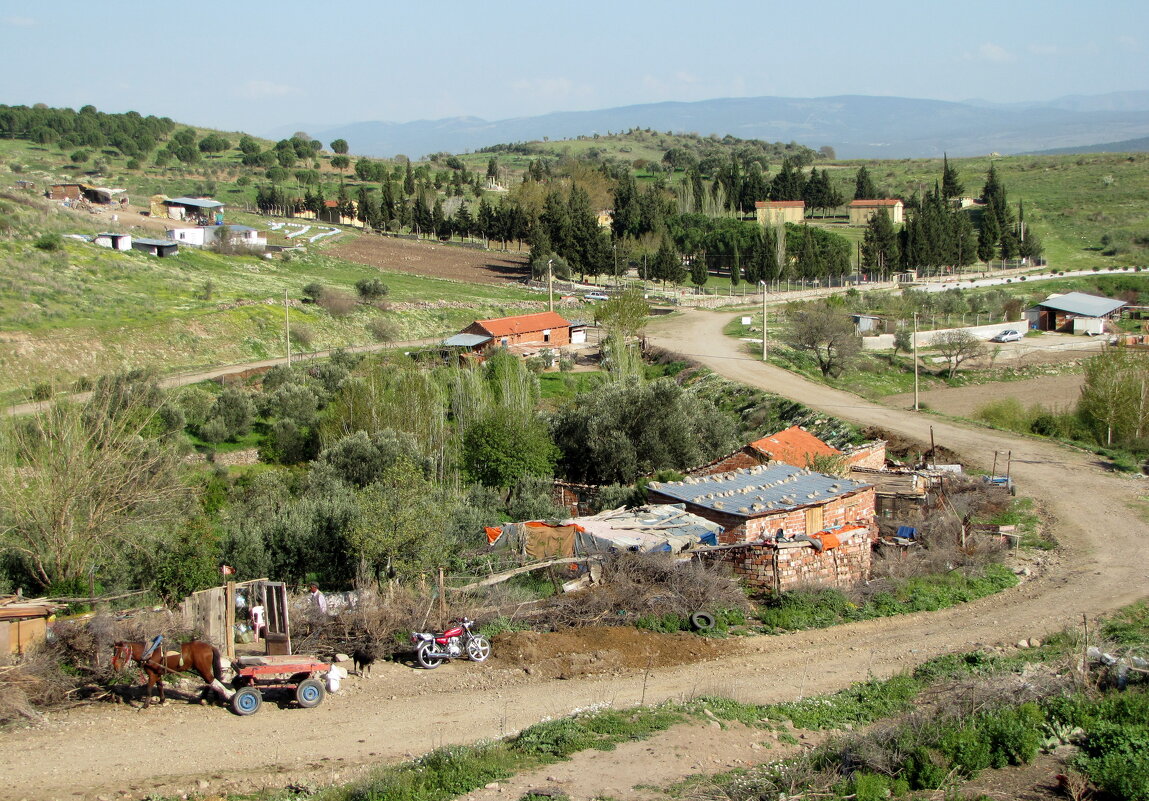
x: 862, y: 210
x: 542, y: 330
x: 794, y: 446
x: 777, y: 212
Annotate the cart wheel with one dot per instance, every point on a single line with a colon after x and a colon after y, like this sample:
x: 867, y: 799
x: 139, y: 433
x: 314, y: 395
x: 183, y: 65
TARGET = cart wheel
x: 246, y: 701
x: 310, y: 693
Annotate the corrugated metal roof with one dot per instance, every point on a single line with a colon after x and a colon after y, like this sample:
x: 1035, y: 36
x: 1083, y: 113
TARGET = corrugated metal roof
x: 755, y: 491
x: 653, y: 527
x: 868, y: 203
x: 1082, y: 304
x: 198, y: 202
x: 166, y: 243
x: 465, y: 340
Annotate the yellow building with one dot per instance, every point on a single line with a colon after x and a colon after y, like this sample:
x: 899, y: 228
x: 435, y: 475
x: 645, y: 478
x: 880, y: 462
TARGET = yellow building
x: 862, y: 210
x: 776, y: 212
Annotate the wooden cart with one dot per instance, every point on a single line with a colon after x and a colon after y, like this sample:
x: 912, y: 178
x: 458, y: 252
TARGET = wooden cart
x: 301, y: 674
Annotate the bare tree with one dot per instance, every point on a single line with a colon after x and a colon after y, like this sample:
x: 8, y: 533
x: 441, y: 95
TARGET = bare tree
x: 825, y: 332
x: 958, y: 346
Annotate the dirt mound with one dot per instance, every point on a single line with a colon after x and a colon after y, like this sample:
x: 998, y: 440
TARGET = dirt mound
x: 910, y: 450
x: 592, y: 650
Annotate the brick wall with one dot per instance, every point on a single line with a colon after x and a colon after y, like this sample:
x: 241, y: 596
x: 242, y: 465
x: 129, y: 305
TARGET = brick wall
x: 871, y: 455
x: 792, y: 564
x: 746, y: 457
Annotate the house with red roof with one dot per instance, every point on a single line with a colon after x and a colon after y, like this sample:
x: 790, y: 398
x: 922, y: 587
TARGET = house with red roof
x: 524, y: 333
x: 777, y: 212
x: 862, y: 210
x: 797, y: 447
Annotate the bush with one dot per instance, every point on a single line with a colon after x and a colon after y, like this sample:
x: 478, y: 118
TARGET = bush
x: 336, y: 302
x: 383, y: 329
x: 49, y: 242
x: 302, y: 335
x: 371, y: 288
x: 42, y: 391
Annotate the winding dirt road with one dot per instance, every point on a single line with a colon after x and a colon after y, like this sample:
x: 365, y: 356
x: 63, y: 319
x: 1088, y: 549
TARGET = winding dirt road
x: 109, y: 751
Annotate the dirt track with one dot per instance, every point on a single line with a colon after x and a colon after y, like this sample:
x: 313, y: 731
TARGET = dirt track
x: 401, y: 712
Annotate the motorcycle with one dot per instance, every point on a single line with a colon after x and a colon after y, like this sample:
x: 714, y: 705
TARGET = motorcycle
x: 457, y: 642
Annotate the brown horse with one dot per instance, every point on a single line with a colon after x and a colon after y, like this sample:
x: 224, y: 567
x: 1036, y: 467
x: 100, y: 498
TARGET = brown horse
x: 201, y: 657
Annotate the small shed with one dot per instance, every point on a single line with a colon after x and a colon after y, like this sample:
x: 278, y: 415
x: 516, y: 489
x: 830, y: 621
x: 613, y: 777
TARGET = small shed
x: 114, y: 241
x: 1073, y: 312
x: 467, y: 342
x: 866, y: 323
x: 201, y: 209
x: 24, y: 622
x: 156, y: 247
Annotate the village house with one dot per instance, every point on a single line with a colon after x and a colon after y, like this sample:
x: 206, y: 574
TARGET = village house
x: 797, y: 447
x: 1073, y: 312
x: 526, y: 333
x: 862, y: 210
x: 201, y: 210
x: 786, y: 526
x: 778, y: 212
x: 200, y: 236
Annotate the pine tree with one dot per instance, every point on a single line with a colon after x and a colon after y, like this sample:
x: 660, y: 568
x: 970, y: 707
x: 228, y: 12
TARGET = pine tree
x: 951, y: 184
x: 864, y: 186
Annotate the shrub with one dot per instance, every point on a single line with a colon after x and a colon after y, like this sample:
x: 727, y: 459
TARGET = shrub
x: 49, y: 242
x: 371, y: 288
x: 383, y: 329
x: 302, y: 335
x: 311, y: 292
x: 1013, y: 735
x: 42, y: 391
x: 336, y: 302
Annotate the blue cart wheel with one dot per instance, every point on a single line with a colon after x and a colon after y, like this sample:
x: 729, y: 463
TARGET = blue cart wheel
x: 246, y: 701
x: 309, y: 693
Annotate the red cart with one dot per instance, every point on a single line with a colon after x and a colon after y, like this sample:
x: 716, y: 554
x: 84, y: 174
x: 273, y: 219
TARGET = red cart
x: 301, y: 674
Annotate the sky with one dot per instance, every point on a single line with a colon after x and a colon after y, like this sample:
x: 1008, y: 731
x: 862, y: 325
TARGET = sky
x: 261, y: 66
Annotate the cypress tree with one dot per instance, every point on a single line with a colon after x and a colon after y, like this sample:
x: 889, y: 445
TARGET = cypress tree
x: 951, y: 184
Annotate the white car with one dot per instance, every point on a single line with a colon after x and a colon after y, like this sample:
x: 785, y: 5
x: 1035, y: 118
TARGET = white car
x: 1009, y: 335
x: 591, y: 297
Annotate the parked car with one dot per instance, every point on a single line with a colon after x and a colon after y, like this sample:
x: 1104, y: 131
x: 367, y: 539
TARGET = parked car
x: 1009, y: 335
x: 591, y: 297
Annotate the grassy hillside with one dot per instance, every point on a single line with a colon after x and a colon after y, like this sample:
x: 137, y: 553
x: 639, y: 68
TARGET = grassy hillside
x: 69, y: 309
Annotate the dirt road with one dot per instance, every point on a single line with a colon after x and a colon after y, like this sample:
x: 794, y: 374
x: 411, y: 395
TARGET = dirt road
x: 109, y: 751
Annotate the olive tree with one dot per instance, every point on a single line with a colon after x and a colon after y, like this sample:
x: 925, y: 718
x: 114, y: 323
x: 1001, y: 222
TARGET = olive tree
x: 826, y: 333
x: 958, y: 346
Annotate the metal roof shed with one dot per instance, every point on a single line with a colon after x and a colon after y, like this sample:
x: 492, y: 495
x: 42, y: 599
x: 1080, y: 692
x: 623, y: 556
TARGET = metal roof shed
x: 1074, y: 312
x: 1081, y: 304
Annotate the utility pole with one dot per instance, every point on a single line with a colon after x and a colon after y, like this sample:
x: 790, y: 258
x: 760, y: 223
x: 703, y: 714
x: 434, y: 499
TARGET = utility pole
x: 765, y: 334
x: 287, y: 326
x: 915, y: 341
x: 551, y: 283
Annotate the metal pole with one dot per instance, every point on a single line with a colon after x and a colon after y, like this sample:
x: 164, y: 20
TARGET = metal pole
x: 916, y: 407
x: 551, y: 284
x: 765, y: 335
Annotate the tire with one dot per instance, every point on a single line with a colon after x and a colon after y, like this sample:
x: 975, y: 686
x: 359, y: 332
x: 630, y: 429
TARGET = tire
x: 309, y: 693
x: 702, y: 621
x: 478, y: 648
x: 246, y: 701
x: 423, y: 655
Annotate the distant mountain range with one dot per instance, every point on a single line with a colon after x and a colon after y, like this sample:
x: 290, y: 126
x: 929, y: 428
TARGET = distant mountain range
x: 856, y: 126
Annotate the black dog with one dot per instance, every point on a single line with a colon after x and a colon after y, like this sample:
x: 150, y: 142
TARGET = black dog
x: 363, y: 658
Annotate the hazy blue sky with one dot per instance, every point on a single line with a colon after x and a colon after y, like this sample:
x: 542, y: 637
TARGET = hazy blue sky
x: 254, y: 65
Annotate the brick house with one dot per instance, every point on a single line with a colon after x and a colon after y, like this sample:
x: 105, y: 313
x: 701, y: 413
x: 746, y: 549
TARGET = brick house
x: 777, y: 212
x: 786, y: 525
x: 545, y: 329
x: 862, y: 210
x: 794, y: 446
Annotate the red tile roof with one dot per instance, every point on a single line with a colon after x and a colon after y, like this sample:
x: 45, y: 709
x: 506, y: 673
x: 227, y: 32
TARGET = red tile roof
x: 867, y: 203
x: 780, y: 204
x: 793, y: 446
x: 507, y: 326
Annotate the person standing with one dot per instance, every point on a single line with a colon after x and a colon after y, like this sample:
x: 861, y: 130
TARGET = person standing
x: 258, y: 621
x: 318, y: 600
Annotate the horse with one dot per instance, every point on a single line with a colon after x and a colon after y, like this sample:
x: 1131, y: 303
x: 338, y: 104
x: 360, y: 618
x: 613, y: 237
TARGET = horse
x: 201, y: 657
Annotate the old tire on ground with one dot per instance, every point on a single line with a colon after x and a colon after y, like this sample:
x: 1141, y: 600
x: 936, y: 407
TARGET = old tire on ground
x: 423, y: 655
x: 478, y: 648
x: 246, y: 701
x: 702, y: 621
x: 309, y: 693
